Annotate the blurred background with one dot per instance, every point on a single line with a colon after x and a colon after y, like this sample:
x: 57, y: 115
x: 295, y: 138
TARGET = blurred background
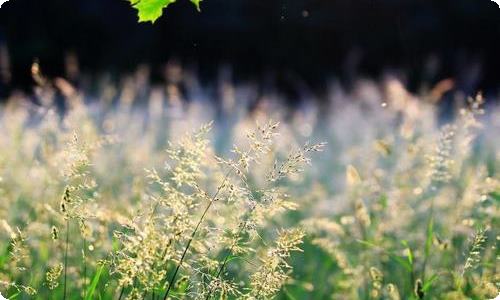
x: 397, y: 201
x: 296, y: 47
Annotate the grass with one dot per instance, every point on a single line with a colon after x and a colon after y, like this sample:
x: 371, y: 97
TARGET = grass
x: 392, y: 206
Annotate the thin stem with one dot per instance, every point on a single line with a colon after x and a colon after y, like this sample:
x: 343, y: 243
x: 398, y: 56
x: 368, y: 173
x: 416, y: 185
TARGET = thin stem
x: 122, y: 291
x: 226, y: 258
x: 202, y: 218
x: 84, y: 268
x: 427, y: 251
x: 66, y: 260
x: 430, y: 195
x: 172, y: 281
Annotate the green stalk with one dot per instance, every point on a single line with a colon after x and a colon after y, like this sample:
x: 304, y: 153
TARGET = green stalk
x: 122, y: 291
x: 226, y: 258
x: 84, y: 268
x: 172, y: 281
x: 66, y: 260
x: 188, y: 245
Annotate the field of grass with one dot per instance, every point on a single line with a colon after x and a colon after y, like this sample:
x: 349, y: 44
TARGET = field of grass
x: 363, y: 198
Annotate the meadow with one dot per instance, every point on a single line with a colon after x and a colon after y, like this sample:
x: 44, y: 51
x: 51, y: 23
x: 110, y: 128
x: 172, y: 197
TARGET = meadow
x: 153, y: 192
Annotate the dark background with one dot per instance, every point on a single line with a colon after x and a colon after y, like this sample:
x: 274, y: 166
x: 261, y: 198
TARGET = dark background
x: 307, y: 40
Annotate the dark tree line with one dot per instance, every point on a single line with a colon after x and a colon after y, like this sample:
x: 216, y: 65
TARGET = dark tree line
x: 310, y: 39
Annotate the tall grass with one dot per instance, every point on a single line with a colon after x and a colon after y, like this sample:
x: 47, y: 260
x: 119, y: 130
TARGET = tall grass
x: 116, y: 199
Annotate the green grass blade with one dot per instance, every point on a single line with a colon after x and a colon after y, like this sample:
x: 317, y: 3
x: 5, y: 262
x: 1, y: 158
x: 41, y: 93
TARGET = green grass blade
x: 410, y: 253
x: 430, y: 236
x: 14, y: 296
x: 402, y: 262
x: 428, y: 282
x: 93, y: 285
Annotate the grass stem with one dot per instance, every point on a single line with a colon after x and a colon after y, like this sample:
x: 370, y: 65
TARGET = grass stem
x: 188, y: 245
x: 66, y: 261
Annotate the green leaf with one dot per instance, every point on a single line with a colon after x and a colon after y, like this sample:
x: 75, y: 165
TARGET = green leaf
x: 150, y: 10
x: 93, y: 285
x: 428, y: 283
x: 495, y: 196
x: 196, y: 3
x: 402, y: 262
x: 4, y: 257
x: 409, y: 254
x: 288, y: 294
x: 14, y: 296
